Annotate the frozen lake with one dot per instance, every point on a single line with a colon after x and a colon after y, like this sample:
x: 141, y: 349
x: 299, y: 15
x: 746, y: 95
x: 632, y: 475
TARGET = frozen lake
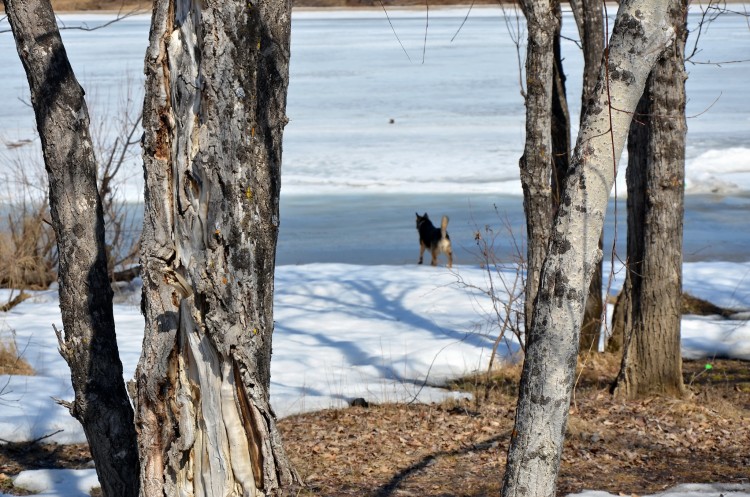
x: 376, y: 134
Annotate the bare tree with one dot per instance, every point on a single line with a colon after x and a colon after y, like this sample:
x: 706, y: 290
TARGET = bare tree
x: 214, y: 113
x: 640, y: 34
x: 649, y: 307
x: 87, y: 341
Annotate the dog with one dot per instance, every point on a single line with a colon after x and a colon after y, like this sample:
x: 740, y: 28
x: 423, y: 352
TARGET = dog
x: 434, y: 239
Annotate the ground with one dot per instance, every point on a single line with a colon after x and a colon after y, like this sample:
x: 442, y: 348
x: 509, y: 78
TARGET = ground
x: 458, y: 448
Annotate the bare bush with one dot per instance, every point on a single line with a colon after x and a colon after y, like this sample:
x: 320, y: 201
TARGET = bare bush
x: 116, y: 143
x: 28, y: 249
x: 504, y: 284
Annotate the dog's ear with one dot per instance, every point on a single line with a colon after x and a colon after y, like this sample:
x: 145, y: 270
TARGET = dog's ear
x: 425, y: 215
x: 417, y: 213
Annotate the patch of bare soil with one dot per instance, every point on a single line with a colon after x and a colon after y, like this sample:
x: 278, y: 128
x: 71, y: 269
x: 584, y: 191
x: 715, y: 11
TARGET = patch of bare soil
x: 16, y: 457
x: 458, y: 448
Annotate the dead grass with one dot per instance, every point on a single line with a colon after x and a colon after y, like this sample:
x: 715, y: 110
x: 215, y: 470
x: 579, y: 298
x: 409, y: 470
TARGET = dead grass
x: 11, y: 362
x: 28, y: 252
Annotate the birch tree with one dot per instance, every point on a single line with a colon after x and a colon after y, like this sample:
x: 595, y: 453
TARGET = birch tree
x: 640, y: 35
x: 590, y: 23
x: 649, y: 307
x: 214, y: 112
x: 87, y: 340
x: 544, y: 33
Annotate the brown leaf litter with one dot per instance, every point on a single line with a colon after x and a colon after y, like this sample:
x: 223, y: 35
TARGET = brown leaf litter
x: 458, y: 448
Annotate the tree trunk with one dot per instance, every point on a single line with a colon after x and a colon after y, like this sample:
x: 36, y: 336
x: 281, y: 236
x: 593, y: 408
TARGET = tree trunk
x: 537, y: 159
x: 214, y: 113
x: 88, y: 341
x: 560, y: 127
x: 652, y: 361
x: 620, y: 313
x: 590, y: 22
x: 639, y: 36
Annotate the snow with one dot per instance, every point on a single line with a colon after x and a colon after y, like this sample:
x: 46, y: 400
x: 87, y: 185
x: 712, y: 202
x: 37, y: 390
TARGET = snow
x: 57, y: 482
x: 382, y: 332
x: 688, y: 490
x: 719, y: 171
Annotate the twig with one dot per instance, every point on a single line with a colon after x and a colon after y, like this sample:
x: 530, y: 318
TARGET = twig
x: 36, y: 440
x: 577, y: 42
x: 85, y: 27
x: 394, y: 30
x: 471, y: 6
x: 426, y: 25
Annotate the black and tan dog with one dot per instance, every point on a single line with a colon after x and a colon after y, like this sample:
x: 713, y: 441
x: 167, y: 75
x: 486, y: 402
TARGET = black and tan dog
x: 436, y: 240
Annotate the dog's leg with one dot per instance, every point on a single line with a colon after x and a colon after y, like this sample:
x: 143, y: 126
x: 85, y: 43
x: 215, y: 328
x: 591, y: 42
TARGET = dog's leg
x: 434, y: 256
x: 450, y: 258
x: 421, y: 251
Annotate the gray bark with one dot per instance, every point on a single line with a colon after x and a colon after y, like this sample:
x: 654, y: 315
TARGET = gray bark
x: 650, y: 315
x: 639, y: 36
x: 590, y: 22
x: 88, y: 341
x: 537, y: 160
x: 560, y: 128
x: 214, y: 113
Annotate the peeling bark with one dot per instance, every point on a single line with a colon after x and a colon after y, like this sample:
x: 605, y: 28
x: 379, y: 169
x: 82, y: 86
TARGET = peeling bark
x: 87, y: 341
x: 214, y: 113
x: 650, y: 316
x: 640, y: 35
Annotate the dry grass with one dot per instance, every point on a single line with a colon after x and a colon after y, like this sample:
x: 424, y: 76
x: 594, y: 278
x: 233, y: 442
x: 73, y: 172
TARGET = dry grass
x: 28, y: 251
x: 11, y: 362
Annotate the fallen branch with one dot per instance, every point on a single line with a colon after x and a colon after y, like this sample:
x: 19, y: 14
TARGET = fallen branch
x: 14, y: 301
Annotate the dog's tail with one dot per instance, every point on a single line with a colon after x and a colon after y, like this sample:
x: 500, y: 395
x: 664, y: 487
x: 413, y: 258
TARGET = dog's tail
x: 444, y: 226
